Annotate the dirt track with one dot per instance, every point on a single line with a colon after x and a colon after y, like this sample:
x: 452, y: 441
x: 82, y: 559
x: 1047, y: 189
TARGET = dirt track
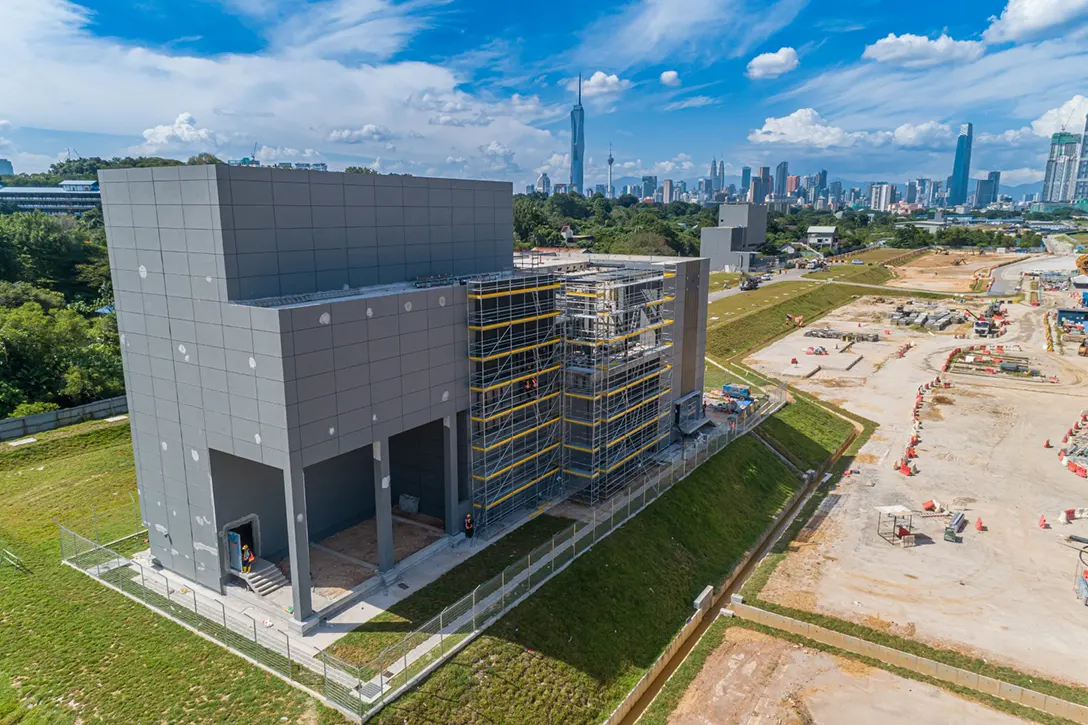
x: 941, y: 273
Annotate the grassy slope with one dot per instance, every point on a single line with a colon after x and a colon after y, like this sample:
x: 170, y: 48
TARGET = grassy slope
x: 571, y: 652
x: 735, y: 306
x: 388, y: 628
x: 878, y: 255
x: 805, y: 434
x: 861, y: 274
x: 729, y: 339
x: 66, y: 638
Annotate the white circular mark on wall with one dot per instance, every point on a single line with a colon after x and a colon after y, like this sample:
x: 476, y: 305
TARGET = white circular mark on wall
x: 407, y: 306
x: 252, y: 363
x: 442, y: 301
x: 123, y: 340
x: 374, y: 418
x: 186, y: 358
x: 143, y: 272
x: 346, y: 286
x: 445, y: 395
x: 257, y: 438
x: 332, y: 431
x: 325, y: 318
x: 163, y: 444
x: 195, y: 455
x: 208, y: 280
x: 299, y: 518
x: 181, y: 349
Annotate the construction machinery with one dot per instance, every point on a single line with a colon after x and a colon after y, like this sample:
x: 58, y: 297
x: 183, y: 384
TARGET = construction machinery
x: 796, y: 320
x: 1083, y: 349
x: 1082, y: 264
x: 748, y: 283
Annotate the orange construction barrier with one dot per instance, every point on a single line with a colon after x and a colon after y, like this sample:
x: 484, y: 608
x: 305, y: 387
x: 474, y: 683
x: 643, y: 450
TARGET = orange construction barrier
x: 1071, y: 466
x: 978, y: 524
x: 905, y: 469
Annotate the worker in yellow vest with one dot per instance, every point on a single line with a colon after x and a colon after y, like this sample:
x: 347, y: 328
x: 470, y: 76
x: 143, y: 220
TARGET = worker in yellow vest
x: 247, y: 559
x: 470, y: 529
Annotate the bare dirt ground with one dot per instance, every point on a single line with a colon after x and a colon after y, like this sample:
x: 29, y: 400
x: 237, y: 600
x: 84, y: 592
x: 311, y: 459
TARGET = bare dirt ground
x: 754, y: 679
x: 940, y: 273
x: 361, y: 541
x: 1005, y: 593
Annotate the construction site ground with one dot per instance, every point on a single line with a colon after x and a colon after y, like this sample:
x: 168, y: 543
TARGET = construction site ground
x: 753, y: 678
x: 942, y: 273
x: 1004, y: 594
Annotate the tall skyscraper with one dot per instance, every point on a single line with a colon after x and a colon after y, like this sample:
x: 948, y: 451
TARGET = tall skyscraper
x: 649, y: 186
x: 882, y: 197
x: 780, y: 179
x: 821, y: 179
x: 666, y: 191
x: 544, y: 184
x: 529, y: 189
x: 6, y: 168
x: 713, y: 173
x: 912, y: 193
x: 611, y: 190
x: 1080, y: 190
x: 835, y: 194
x: 745, y: 179
x: 793, y: 183
x: 578, y: 143
x: 721, y: 177
x: 986, y: 190
x: 961, y: 168
x: 1061, y: 167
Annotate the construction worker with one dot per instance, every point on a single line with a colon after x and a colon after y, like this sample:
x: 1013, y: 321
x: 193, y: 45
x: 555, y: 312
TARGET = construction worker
x: 247, y: 559
x: 470, y: 529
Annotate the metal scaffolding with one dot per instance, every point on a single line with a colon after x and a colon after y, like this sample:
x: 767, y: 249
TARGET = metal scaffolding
x: 516, y: 391
x: 616, y: 375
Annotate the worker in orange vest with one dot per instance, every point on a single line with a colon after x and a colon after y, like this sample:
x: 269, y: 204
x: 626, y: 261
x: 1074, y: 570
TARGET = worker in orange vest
x: 247, y: 559
x: 470, y: 529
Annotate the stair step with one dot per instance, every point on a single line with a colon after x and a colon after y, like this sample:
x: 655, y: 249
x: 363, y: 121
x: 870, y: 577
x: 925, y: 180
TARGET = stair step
x: 265, y: 578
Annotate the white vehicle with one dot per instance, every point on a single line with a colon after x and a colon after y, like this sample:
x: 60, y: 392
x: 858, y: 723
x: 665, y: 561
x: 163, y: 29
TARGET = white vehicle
x: 767, y: 277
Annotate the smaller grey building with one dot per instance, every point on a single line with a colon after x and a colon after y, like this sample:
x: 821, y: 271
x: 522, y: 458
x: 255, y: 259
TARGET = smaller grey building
x: 752, y: 218
x: 741, y: 231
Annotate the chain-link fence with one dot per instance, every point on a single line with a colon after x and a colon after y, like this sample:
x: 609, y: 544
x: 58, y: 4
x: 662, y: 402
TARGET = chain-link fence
x: 361, y: 688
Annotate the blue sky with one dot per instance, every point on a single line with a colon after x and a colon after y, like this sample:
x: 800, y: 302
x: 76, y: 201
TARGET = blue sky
x: 868, y: 89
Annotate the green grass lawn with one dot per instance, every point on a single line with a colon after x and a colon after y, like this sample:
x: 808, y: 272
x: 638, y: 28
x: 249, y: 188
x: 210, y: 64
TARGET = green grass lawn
x: 572, y: 651
x: 76, y: 650
x: 714, y: 378
x: 734, y: 307
x: 368, y: 640
x: 805, y: 433
x: 718, y: 279
x: 881, y: 254
x: 859, y: 273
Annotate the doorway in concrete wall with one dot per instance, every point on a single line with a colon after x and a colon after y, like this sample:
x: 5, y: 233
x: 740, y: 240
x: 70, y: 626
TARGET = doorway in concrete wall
x: 238, y: 538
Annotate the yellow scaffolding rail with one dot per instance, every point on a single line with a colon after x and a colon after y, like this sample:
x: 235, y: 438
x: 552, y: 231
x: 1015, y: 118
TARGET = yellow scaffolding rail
x: 508, y: 353
x: 507, y: 293
x: 489, y: 388
x: 504, y: 441
x: 517, y: 463
x: 507, y: 323
x: 508, y: 411
x: 640, y: 331
x: 518, y: 490
x: 616, y: 391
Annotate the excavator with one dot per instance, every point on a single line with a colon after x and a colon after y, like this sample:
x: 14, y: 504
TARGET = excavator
x: 748, y: 282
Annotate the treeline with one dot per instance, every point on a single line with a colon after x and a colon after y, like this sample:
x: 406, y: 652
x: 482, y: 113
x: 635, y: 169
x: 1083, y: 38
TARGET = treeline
x: 87, y: 169
x: 610, y: 226
x: 915, y: 238
x: 58, y: 334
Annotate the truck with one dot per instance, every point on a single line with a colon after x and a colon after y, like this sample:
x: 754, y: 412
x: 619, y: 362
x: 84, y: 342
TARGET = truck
x: 748, y: 283
x: 740, y: 392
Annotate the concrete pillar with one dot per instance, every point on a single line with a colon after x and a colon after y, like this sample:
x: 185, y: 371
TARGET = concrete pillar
x: 298, y: 538
x: 383, y: 504
x: 449, y: 450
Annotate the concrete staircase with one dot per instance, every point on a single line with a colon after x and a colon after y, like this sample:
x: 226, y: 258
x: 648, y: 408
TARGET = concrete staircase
x: 265, y: 577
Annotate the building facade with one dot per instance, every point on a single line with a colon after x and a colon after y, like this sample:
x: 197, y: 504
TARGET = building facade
x: 1059, y: 184
x: 578, y: 144
x: 961, y: 168
x: 6, y: 168
x: 781, y: 183
x: 306, y: 353
x: 71, y: 197
x: 745, y: 179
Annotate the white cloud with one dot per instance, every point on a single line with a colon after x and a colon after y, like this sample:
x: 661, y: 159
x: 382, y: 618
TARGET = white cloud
x: 1016, y: 177
x: 375, y: 29
x: 648, y: 30
x: 4, y: 124
x: 599, y: 84
x: 554, y: 166
x: 923, y: 135
x: 670, y: 78
x: 271, y: 154
x: 183, y: 132
x: 918, y: 51
x: 680, y: 162
x: 288, y: 96
x: 1069, y: 115
x: 369, y: 132
x: 806, y: 127
x: 772, y: 65
x: 1027, y: 19
x: 692, y: 102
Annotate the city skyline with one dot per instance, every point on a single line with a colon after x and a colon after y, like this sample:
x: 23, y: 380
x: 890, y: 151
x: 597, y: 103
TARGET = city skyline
x: 232, y: 77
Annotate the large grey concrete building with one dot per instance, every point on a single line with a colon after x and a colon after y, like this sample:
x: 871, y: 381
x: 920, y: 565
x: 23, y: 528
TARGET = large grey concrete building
x: 297, y: 358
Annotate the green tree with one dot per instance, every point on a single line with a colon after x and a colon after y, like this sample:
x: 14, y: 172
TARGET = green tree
x: 359, y: 170
x: 643, y: 243
x: 204, y: 158
x: 17, y: 294
x: 48, y: 252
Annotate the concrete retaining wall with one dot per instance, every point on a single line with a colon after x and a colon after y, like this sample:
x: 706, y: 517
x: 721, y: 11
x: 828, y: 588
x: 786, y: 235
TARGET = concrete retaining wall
x: 921, y: 665
x: 31, y: 424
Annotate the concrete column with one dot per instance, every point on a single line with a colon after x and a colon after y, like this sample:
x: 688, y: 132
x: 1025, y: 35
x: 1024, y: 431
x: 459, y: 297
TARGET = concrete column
x: 298, y: 538
x: 449, y: 449
x: 383, y: 504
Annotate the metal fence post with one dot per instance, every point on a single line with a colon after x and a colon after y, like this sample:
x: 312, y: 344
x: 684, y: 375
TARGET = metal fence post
x: 529, y: 569
x: 474, y: 608
x: 166, y: 582
x: 194, y: 603
x: 441, y: 636
x: 224, y: 608
x: 136, y: 512
x: 94, y: 517
x: 254, y: 629
x: 143, y: 582
x: 504, y: 590
x: 553, y: 553
x: 290, y: 669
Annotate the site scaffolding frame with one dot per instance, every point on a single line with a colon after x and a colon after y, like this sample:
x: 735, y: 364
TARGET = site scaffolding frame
x: 516, y: 394
x: 617, y: 375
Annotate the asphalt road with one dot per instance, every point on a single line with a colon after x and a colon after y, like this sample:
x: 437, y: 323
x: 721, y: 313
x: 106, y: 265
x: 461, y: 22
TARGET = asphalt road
x: 1008, y: 278
x: 793, y: 275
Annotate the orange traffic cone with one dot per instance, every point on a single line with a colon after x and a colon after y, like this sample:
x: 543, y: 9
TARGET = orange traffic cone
x: 1047, y: 444
x: 1042, y: 523
x: 978, y: 524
